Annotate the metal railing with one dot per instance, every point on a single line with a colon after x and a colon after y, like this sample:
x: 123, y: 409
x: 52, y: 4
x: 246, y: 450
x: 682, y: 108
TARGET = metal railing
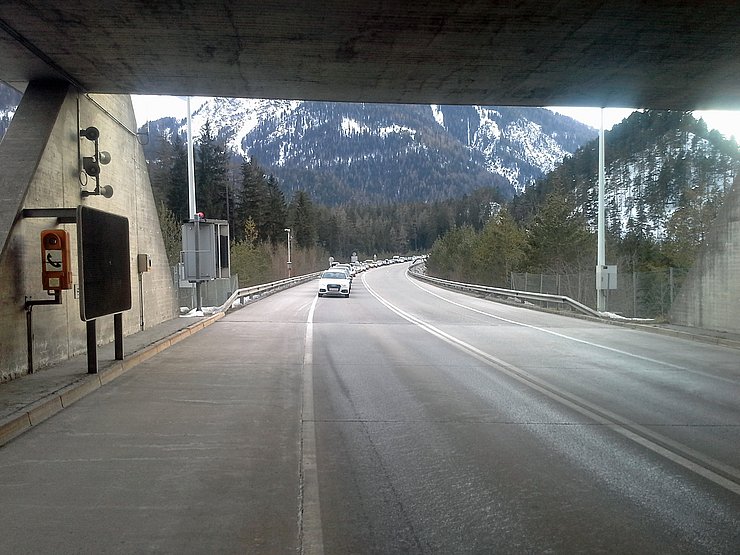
x: 509, y: 294
x: 258, y: 291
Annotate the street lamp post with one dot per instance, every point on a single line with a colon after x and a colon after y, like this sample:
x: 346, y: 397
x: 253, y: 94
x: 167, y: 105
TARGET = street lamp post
x: 287, y: 229
x: 601, y: 233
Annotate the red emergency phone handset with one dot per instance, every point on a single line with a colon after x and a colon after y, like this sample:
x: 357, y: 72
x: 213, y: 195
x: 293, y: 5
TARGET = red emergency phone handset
x: 55, y: 261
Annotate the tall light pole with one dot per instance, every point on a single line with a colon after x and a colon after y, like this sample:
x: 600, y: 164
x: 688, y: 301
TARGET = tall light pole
x: 192, y: 206
x: 287, y: 229
x: 601, y: 251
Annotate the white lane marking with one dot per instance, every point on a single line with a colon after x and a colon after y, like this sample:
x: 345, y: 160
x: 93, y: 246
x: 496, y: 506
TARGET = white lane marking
x: 550, y: 332
x: 662, y: 445
x: 311, y: 539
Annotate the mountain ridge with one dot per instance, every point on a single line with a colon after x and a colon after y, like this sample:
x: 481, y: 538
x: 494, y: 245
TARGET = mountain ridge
x: 390, y: 153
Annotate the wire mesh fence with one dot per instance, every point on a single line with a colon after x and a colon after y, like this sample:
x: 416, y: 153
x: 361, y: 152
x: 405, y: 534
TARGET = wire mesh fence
x: 638, y: 294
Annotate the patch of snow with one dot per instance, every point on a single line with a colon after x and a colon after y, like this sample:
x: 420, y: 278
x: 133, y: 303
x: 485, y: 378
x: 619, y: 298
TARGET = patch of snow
x: 613, y: 316
x: 439, y: 117
x: 396, y: 129
x: 352, y: 127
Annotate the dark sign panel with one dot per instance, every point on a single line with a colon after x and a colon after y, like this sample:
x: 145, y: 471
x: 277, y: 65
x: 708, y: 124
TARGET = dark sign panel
x: 104, y: 263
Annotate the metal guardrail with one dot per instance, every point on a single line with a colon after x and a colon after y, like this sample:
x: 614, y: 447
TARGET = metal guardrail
x: 263, y: 289
x: 414, y: 271
x: 511, y: 294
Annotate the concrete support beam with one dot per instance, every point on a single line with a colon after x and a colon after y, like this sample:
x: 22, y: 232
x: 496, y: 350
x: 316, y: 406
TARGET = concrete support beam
x: 23, y: 146
x: 40, y: 188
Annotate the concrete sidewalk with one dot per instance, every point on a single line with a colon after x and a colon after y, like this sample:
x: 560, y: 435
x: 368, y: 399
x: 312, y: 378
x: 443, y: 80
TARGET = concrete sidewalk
x: 31, y: 399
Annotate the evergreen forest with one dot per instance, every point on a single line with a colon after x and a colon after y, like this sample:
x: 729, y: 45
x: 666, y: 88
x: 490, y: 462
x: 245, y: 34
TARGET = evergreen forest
x: 250, y: 198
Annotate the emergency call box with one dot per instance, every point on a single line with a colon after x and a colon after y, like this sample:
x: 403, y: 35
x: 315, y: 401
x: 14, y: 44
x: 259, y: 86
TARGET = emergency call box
x: 56, y: 273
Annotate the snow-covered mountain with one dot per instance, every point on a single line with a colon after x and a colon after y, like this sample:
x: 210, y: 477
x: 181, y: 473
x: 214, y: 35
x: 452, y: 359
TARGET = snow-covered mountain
x: 379, y: 152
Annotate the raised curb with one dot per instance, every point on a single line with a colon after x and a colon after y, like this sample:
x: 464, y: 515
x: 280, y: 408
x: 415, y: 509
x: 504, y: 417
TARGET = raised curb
x: 32, y: 415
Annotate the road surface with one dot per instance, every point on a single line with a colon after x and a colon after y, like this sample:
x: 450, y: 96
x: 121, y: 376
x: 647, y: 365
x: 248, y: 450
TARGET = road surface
x: 405, y: 419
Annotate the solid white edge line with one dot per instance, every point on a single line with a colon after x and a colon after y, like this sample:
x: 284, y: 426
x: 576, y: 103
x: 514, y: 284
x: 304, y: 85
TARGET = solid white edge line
x: 633, y: 431
x: 568, y: 337
x: 543, y: 330
x: 310, y: 534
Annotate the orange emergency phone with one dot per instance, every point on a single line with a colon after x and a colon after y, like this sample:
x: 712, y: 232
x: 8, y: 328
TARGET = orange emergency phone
x: 55, y: 261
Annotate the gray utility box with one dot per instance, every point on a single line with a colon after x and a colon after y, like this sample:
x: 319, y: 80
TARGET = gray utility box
x: 205, y: 250
x: 606, y: 277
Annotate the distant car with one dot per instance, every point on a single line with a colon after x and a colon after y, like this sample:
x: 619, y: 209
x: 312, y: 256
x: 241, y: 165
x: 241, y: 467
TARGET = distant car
x: 348, y: 271
x: 347, y: 267
x: 334, y: 283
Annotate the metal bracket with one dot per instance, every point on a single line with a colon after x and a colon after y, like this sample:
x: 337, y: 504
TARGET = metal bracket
x: 63, y: 215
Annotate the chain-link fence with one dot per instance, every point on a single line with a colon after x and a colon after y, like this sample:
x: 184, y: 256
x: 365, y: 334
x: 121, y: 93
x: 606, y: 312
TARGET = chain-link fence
x: 638, y: 294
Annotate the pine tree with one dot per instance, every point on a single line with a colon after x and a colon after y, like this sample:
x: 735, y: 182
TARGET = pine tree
x: 177, y: 195
x: 159, y: 169
x: 559, y: 240
x: 452, y: 255
x: 499, y: 250
x: 302, y: 220
x: 276, y: 213
x: 171, y: 234
x: 254, y: 200
x: 211, y: 181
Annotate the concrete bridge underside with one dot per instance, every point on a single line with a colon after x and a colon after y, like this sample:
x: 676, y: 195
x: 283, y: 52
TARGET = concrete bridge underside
x: 663, y: 55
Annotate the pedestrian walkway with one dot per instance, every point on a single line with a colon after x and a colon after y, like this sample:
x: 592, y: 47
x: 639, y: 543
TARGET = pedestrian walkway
x: 31, y: 399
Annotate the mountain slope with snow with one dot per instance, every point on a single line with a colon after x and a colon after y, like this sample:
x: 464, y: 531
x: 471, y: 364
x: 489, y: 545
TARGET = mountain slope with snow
x: 342, y: 152
x: 662, y: 169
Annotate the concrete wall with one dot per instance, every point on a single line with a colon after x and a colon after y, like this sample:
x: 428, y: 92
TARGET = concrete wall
x: 710, y: 297
x: 49, y: 178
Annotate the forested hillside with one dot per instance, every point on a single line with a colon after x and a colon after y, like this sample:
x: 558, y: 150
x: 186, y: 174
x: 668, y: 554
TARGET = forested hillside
x: 666, y: 178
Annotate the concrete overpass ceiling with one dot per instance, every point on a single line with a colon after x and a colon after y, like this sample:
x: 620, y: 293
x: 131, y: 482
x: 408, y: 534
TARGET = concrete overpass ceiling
x: 656, y: 54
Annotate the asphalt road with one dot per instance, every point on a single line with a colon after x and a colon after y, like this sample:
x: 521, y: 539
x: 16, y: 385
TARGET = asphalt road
x: 405, y: 419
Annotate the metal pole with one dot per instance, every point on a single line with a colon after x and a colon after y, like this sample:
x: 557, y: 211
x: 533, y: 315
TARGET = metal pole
x: 601, y: 256
x: 30, y: 303
x: 29, y: 336
x: 118, y: 334
x: 634, y: 294
x: 191, y: 166
x: 92, y: 348
x: 287, y: 229
x: 198, y: 303
x: 141, y: 301
x: 192, y: 205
